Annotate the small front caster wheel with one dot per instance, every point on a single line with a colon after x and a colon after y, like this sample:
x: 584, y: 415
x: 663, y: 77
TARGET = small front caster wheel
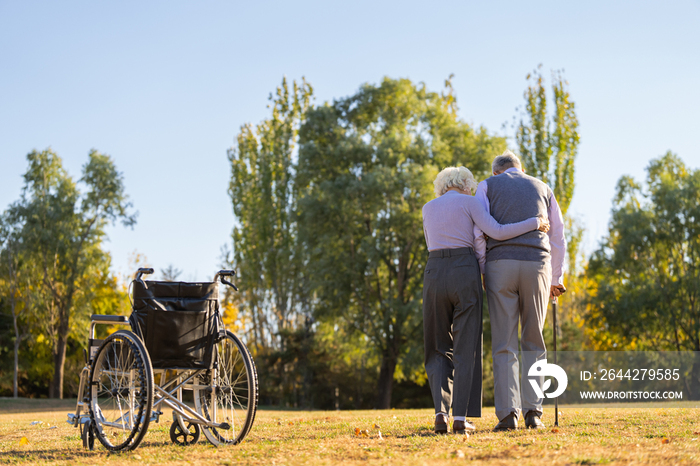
x: 180, y: 437
x: 87, y: 434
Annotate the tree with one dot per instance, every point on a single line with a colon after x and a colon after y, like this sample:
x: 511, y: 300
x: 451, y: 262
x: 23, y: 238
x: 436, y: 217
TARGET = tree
x: 267, y: 253
x: 62, y: 230
x: 549, y: 155
x: 15, y: 288
x: 645, y: 292
x: 170, y: 274
x: 366, y: 167
x: 262, y: 192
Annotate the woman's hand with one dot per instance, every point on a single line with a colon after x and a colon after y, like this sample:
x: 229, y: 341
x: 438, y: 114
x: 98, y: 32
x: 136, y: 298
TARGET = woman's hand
x: 543, y: 223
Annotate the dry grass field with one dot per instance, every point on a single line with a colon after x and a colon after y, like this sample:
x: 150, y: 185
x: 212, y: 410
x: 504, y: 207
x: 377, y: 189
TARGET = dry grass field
x: 586, y: 436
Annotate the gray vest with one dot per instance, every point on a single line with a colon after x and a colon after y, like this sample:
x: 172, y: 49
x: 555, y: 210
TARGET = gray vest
x: 514, y: 197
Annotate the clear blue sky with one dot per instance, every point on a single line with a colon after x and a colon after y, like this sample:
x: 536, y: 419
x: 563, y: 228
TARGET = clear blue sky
x: 163, y: 87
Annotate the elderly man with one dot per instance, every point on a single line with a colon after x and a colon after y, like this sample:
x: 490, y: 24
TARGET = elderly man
x: 520, y: 274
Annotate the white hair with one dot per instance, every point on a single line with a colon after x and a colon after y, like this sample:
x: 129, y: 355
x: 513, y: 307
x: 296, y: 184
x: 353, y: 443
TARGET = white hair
x: 505, y: 161
x: 454, y: 177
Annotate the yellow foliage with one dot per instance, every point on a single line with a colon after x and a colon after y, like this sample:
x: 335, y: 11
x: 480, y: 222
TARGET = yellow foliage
x: 229, y: 314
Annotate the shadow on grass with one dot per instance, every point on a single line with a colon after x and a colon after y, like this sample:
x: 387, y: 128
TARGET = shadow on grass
x: 72, y: 457
x: 31, y: 405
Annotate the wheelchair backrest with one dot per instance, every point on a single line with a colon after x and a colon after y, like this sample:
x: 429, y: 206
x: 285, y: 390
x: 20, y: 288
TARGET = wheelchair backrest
x: 177, y: 321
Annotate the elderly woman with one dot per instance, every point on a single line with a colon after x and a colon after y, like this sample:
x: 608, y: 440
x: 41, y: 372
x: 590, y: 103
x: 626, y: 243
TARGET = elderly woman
x: 452, y: 295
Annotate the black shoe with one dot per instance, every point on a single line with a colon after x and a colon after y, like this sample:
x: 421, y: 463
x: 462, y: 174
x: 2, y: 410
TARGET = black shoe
x: 440, y: 425
x: 462, y: 427
x: 510, y: 422
x: 532, y: 420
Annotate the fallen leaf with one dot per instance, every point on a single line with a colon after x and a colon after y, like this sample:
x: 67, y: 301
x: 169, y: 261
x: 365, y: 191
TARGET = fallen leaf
x: 376, y: 426
x: 291, y: 423
x: 365, y: 433
x: 696, y: 433
x: 555, y: 430
x: 279, y: 423
x: 458, y: 454
x: 24, y: 441
x: 357, y: 431
x: 665, y: 440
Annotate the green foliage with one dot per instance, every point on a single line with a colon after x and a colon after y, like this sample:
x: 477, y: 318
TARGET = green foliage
x: 546, y: 154
x: 328, y: 235
x: 59, y: 229
x: 265, y: 235
x: 272, y: 306
x: 645, y: 277
x: 366, y: 167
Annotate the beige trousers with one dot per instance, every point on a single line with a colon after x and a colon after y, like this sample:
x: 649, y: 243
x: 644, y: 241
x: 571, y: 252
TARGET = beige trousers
x: 517, y: 293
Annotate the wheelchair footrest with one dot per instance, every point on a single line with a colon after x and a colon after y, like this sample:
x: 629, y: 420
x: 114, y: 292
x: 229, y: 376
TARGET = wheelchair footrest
x: 72, y: 420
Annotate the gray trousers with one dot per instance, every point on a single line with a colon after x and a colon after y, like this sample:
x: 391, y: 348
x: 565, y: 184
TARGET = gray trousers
x: 517, y: 292
x: 452, y: 329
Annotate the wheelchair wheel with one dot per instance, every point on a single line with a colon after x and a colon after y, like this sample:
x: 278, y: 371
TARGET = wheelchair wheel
x: 230, y: 398
x: 121, y: 389
x: 184, y: 437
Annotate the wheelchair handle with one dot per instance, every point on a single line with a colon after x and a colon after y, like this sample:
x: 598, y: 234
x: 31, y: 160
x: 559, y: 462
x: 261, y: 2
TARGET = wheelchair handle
x: 143, y: 271
x: 226, y: 273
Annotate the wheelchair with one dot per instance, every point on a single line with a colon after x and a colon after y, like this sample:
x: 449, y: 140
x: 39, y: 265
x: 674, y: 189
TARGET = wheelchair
x: 177, y: 343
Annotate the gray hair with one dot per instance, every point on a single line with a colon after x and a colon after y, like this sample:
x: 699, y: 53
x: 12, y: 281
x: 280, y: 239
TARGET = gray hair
x: 454, y: 177
x: 505, y: 161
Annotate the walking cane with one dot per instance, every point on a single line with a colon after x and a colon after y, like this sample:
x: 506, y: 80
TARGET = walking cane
x: 556, y: 327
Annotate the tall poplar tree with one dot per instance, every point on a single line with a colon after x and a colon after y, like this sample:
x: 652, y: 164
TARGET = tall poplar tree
x: 266, y: 249
x: 548, y: 145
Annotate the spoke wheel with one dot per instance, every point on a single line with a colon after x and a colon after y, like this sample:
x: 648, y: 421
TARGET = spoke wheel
x: 121, y: 387
x: 228, y: 394
x: 181, y: 437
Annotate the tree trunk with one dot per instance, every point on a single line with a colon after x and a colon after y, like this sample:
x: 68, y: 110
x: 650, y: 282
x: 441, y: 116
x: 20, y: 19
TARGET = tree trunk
x: 13, y: 307
x: 18, y: 340
x: 59, y: 356
x: 15, y: 382
x: 695, y: 376
x: 59, y: 360
x: 385, y: 384
x: 361, y: 385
